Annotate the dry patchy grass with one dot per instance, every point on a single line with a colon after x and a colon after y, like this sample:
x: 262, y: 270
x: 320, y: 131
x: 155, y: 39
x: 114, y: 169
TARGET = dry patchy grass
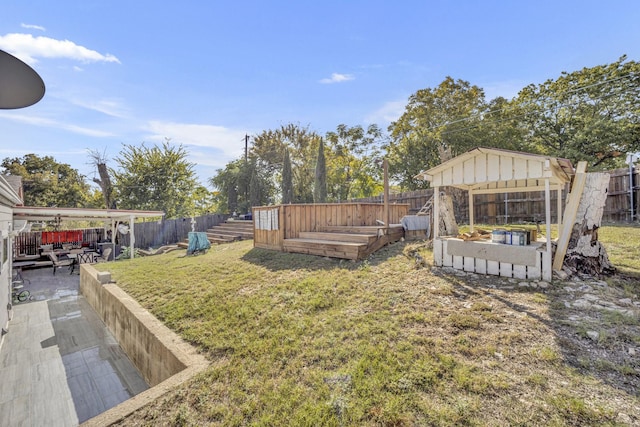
x: 304, y: 340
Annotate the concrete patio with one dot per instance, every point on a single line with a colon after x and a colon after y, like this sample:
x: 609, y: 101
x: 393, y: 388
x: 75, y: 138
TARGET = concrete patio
x: 59, y: 365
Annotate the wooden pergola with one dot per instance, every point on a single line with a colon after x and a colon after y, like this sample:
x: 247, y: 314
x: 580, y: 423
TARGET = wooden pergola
x: 493, y: 171
x: 39, y: 214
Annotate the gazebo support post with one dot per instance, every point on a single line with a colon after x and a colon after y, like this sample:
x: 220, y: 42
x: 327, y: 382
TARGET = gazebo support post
x: 546, y: 260
x: 385, y: 167
x: 471, y: 218
x: 132, y: 236
x: 436, y: 212
x: 559, y: 208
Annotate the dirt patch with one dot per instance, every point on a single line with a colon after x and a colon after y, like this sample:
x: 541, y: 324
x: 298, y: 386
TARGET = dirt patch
x: 596, y: 322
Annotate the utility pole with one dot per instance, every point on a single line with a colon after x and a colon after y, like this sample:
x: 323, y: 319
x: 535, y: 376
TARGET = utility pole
x: 246, y: 147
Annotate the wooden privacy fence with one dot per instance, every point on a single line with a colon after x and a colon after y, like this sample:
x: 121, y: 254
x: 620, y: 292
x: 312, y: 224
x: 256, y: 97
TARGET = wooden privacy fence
x: 154, y: 234
x: 28, y: 243
x: 526, y: 207
x: 147, y: 234
x: 274, y: 224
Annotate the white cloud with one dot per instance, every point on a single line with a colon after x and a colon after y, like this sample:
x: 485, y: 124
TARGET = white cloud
x: 109, y: 107
x: 337, y: 78
x: 46, y: 122
x: 28, y: 48
x: 78, y: 69
x: 229, y: 141
x: 216, y: 145
x: 33, y: 27
x: 388, y: 113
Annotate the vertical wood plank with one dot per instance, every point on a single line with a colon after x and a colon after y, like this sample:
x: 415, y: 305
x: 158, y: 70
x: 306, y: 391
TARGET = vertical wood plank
x: 446, y: 176
x: 481, y: 266
x: 458, y: 173
x: 469, y: 171
x: 481, y: 168
x: 493, y: 268
x: 520, y: 168
x: 535, y: 168
x: 546, y: 266
x: 506, y: 269
x: 520, y: 271
x: 437, y: 252
x: 469, y: 264
x: 493, y: 167
x: 506, y: 168
x: 458, y: 262
x: 535, y: 272
x: 437, y: 180
x: 447, y: 260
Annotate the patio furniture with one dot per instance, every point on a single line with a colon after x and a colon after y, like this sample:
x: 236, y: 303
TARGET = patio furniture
x: 87, y: 257
x: 17, y: 267
x: 57, y: 263
x: 106, y: 254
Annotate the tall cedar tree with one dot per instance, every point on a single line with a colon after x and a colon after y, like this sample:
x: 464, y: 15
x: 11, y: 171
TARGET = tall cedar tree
x: 287, y: 179
x: 320, y: 185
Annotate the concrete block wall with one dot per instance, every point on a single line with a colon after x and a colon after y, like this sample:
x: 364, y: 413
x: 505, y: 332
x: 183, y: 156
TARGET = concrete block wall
x: 153, y: 348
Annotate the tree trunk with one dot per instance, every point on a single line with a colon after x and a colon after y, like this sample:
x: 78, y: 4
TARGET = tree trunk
x: 105, y: 185
x: 585, y: 254
x: 448, y: 224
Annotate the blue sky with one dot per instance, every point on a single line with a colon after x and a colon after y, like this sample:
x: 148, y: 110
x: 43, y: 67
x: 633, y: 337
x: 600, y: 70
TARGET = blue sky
x: 205, y: 73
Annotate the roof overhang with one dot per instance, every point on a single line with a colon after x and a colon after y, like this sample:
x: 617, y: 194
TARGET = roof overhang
x: 8, y: 195
x: 491, y: 170
x: 35, y: 214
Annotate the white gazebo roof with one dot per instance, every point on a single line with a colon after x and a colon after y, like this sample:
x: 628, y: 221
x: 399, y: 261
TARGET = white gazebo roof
x: 35, y: 214
x: 492, y: 170
x: 31, y: 213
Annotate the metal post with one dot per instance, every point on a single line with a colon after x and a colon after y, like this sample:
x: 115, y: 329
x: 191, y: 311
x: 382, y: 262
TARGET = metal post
x: 385, y: 168
x: 631, y: 156
x: 471, y: 213
x: 546, y: 270
x: 506, y: 207
x: 132, y: 236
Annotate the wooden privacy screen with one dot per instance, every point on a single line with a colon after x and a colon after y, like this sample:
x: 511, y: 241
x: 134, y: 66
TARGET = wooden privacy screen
x: 273, y: 224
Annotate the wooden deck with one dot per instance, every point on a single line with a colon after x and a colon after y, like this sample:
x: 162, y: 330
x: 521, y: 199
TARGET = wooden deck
x: 338, y: 230
x: 354, y: 243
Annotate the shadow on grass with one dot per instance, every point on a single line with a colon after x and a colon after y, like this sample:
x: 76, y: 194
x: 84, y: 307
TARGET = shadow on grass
x: 606, y: 358
x: 278, y: 261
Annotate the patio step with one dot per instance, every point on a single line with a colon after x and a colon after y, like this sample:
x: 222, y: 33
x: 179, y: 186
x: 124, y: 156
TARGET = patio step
x: 227, y: 232
x: 339, y: 237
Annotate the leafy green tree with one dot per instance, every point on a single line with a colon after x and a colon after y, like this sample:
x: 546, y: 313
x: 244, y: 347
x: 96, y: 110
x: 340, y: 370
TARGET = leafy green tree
x: 592, y: 114
x: 437, y: 124
x: 48, y: 183
x: 352, y: 164
x: 241, y: 185
x: 155, y: 178
x: 255, y: 189
x: 203, y: 201
x: 287, y: 179
x: 320, y: 184
x: 269, y: 148
x: 226, y: 182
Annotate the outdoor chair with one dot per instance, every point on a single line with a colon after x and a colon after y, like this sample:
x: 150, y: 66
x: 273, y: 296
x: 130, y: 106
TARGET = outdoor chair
x: 57, y: 263
x: 106, y: 253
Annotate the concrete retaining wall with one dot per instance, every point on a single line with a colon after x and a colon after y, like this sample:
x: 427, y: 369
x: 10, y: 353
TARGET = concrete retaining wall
x: 161, y: 356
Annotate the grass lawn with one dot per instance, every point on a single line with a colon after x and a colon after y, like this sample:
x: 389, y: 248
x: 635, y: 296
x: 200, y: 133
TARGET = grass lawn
x: 303, y: 340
